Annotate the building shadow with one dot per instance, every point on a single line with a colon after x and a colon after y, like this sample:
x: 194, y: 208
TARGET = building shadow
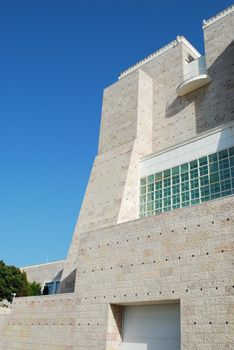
x: 214, y: 103
x: 67, y: 285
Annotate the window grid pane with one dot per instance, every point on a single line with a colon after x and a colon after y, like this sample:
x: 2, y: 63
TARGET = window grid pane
x: 197, y: 181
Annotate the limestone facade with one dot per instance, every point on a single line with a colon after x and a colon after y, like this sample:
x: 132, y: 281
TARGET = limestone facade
x: 117, y: 259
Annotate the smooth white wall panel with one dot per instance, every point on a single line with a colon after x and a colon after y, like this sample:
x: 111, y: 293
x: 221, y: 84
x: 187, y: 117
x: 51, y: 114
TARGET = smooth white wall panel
x: 152, y: 327
x: 208, y: 143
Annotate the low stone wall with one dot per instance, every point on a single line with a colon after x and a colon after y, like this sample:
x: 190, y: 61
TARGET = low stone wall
x: 44, y: 322
x: 44, y: 272
x: 5, y: 310
x: 184, y: 256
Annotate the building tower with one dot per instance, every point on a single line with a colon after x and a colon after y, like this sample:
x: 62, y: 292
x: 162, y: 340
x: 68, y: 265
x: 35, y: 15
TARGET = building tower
x: 149, y: 266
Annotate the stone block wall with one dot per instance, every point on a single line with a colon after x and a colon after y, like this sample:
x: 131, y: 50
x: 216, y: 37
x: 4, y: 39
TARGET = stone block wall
x: 44, y: 272
x: 112, y: 193
x: 42, y: 323
x: 184, y: 255
x: 142, y: 114
x: 116, y: 259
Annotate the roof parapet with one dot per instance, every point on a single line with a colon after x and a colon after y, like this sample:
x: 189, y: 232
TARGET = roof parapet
x: 207, y: 22
x: 179, y: 39
x: 43, y: 264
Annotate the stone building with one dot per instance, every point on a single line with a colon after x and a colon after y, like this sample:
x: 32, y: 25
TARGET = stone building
x: 150, y: 263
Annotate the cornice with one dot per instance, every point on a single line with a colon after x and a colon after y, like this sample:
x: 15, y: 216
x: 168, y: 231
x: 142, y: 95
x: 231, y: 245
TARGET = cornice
x: 227, y: 11
x: 179, y: 39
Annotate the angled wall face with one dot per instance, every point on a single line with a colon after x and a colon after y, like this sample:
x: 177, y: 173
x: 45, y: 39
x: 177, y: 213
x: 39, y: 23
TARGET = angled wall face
x: 44, y: 273
x: 112, y: 194
x: 143, y: 114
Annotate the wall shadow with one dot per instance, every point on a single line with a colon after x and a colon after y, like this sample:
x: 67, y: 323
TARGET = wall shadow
x: 58, y: 276
x: 177, y: 106
x: 67, y: 285
x: 214, y: 103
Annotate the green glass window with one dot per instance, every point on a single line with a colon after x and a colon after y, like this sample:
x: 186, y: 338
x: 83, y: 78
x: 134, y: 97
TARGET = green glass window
x: 204, y: 180
x: 158, y: 203
x: 232, y: 172
x: 215, y: 195
x: 213, y: 158
x: 175, y: 206
x: 225, y: 185
x: 233, y: 185
x: 150, y: 188
x: 214, y: 167
x: 193, y: 173
x: 184, y: 176
x: 185, y: 196
x: 158, y: 185
x: 224, y: 164
x: 223, y: 154
x: 202, y: 161
x: 167, y: 209
x: 195, y: 201
x: 176, y: 199
x: 167, y: 182
x: 184, y: 167
x: 142, y: 208
x: 193, y: 164
x: 167, y: 201
x: 231, y: 151
x: 150, y: 196
x: 205, y: 199
x: 167, y: 173
x: 150, y: 179
x: 214, y: 188
x: 158, y: 194
x: 150, y: 206
x: 224, y: 174
x: 204, y: 170
x: 185, y: 186
x: 167, y: 191
x: 205, y: 191
x: 175, y: 179
x: 200, y: 180
x: 158, y: 176
x: 214, y: 177
x: 194, y: 183
x: 175, y: 170
x: 176, y: 189
x: 194, y: 193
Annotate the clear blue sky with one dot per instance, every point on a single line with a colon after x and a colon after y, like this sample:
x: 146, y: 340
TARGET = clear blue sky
x: 56, y: 57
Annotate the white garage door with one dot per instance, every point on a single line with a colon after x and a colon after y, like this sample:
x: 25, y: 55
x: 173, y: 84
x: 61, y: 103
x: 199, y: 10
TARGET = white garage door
x: 151, y: 327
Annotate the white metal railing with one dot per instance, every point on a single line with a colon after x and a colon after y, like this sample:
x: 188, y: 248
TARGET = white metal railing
x: 195, y: 68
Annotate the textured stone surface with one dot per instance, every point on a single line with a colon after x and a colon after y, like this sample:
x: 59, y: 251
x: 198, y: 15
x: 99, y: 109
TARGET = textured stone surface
x: 44, y: 272
x: 183, y: 256
x: 128, y: 115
